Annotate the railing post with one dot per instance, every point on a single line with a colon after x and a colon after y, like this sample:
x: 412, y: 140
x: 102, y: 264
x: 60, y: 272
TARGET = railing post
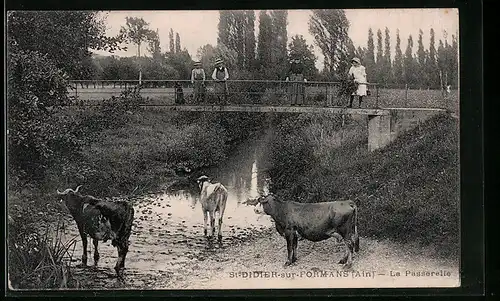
x: 376, y: 99
x: 326, y: 95
x: 406, y: 95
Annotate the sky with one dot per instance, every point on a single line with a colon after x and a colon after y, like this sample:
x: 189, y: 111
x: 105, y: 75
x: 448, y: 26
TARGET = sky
x: 198, y: 28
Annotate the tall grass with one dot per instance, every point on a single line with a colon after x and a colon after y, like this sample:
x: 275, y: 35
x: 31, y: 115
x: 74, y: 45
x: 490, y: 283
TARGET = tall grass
x: 407, y: 191
x: 39, y: 260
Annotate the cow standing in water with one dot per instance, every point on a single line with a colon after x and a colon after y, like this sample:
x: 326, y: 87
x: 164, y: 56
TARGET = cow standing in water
x: 213, y: 197
x: 312, y: 221
x: 101, y: 220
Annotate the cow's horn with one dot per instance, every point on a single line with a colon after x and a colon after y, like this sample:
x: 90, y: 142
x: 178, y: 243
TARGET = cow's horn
x: 65, y: 191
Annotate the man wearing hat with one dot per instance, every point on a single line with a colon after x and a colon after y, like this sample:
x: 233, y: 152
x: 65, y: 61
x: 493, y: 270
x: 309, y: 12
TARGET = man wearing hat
x: 358, y: 73
x: 296, y: 90
x: 220, y: 75
x: 198, y: 81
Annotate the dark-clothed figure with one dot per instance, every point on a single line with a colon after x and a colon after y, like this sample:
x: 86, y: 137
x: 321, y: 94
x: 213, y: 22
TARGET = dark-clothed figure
x: 179, y: 93
x: 220, y: 75
x: 198, y: 81
x: 296, y: 89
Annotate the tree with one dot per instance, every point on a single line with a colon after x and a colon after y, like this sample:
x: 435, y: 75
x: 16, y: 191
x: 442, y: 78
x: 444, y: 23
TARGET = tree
x: 409, y: 64
x: 432, y: 70
x: 380, y: 58
x: 330, y: 30
x: 387, y: 65
x: 421, y: 58
x: 154, y: 46
x: 136, y: 31
x: 264, y: 42
x: 171, y: 41
x: 370, y: 56
x: 398, y: 61
x: 279, y: 22
x: 298, y: 47
x: 77, y: 33
x: 441, y: 62
x: 236, y: 31
x: 177, y: 43
x: 43, y: 50
x: 208, y: 54
x: 181, y: 61
x: 250, y: 39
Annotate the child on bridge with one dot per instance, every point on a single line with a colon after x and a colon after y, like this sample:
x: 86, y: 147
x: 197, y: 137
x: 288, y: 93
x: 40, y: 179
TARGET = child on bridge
x: 220, y: 75
x: 198, y: 81
x: 358, y: 72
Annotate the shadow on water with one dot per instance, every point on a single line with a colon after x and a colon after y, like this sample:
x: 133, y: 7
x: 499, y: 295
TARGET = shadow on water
x: 168, y: 228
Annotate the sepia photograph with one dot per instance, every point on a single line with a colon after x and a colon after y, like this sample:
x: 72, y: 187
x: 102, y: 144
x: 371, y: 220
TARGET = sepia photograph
x: 232, y: 149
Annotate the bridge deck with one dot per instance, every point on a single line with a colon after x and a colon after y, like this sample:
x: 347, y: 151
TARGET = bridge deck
x: 266, y: 109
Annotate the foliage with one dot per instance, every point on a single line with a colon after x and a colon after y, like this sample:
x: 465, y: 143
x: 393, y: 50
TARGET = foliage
x: 398, y: 61
x: 289, y: 144
x: 330, y: 30
x: 177, y: 43
x: 37, y: 138
x: 298, y: 47
x: 181, y: 62
x: 37, y: 259
x: 64, y: 36
x: 264, y: 44
x: 236, y: 32
x: 208, y: 54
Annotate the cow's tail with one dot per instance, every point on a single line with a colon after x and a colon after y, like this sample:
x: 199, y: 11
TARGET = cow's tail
x: 222, y: 192
x: 356, y: 236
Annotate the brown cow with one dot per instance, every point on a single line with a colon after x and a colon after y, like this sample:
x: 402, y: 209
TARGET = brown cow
x: 312, y: 221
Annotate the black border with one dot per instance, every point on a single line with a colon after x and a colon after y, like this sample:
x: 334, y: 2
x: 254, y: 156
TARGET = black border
x: 471, y: 137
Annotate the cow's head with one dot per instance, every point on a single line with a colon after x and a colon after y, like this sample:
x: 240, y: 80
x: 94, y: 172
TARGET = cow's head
x: 201, y: 180
x: 69, y: 196
x: 261, y: 203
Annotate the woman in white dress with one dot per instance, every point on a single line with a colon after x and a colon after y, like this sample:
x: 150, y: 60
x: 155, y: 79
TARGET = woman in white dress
x: 358, y: 73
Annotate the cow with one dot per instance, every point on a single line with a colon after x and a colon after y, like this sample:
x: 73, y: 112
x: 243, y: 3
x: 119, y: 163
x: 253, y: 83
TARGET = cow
x: 312, y: 221
x: 101, y: 220
x: 213, y: 198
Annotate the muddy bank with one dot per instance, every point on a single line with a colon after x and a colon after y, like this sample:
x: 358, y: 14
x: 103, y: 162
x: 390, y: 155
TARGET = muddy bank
x: 167, y: 237
x: 259, y: 264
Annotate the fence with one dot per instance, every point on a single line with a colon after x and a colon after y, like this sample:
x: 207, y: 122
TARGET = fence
x: 264, y: 92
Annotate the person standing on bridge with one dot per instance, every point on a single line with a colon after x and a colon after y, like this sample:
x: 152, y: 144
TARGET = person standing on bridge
x: 296, y: 90
x: 198, y: 81
x: 220, y: 75
x: 358, y: 73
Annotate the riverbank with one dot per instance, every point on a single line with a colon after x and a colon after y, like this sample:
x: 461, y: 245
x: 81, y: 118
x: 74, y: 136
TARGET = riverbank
x: 407, y: 192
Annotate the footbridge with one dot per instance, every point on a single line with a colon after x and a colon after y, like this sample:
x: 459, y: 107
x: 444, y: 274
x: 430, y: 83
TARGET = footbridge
x: 384, y: 123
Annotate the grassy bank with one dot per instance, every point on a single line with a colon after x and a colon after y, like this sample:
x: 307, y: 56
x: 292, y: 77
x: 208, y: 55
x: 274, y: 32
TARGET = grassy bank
x: 408, y: 191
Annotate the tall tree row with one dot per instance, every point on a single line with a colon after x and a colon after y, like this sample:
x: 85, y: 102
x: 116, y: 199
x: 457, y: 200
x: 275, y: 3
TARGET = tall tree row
x: 417, y: 66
